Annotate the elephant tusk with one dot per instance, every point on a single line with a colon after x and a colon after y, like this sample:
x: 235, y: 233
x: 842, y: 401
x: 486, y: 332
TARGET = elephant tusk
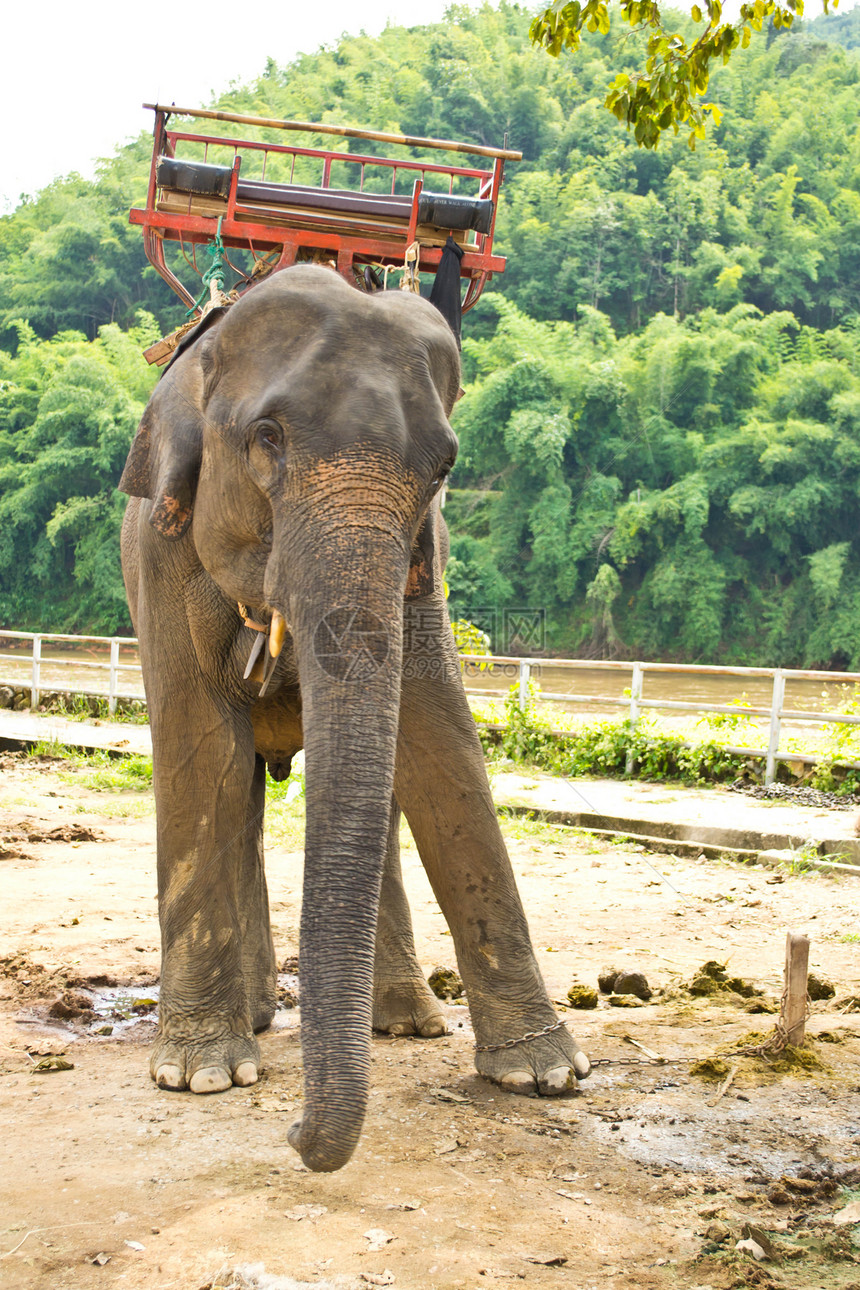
x: 277, y: 632
x: 255, y: 654
x: 258, y: 675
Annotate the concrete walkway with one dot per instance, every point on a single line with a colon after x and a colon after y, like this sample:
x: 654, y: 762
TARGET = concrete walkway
x: 685, y: 820
x: 23, y: 729
x: 667, y: 817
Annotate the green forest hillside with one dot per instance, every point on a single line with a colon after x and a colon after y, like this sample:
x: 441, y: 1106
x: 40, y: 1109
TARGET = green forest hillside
x: 660, y: 439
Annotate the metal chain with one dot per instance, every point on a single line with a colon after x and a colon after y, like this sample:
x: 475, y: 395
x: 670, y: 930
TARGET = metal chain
x: 774, y: 1043
x: 523, y: 1039
x: 778, y: 1039
x: 640, y: 1061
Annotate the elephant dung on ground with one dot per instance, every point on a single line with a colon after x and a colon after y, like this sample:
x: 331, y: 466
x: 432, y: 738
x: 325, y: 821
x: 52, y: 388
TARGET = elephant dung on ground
x: 284, y: 482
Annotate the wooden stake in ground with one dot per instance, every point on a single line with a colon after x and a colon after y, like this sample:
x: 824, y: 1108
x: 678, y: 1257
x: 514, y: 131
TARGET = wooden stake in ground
x: 793, y: 1009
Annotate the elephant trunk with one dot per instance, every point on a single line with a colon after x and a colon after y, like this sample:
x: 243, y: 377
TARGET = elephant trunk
x: 348, y: 644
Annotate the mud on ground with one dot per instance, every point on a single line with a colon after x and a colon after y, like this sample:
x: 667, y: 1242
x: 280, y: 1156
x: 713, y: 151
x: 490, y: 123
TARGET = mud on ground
x: 647, y: 1178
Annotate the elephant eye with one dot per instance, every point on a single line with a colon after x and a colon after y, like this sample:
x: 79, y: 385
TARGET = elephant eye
x: 269, y: 434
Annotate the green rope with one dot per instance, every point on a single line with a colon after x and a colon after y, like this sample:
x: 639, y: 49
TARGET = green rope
x: 216, y: 273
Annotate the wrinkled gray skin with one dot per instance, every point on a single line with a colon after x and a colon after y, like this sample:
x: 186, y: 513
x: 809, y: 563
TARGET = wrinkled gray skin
x: 290, y: 459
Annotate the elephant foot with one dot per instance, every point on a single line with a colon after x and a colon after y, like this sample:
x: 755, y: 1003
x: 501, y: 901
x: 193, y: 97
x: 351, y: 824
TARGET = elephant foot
x: 543, y: 1067
x: 407, y: 1008
x: 262, y: 1013
x: 261, y: 1019
x: 261, y: 988
x: 208, y: 1065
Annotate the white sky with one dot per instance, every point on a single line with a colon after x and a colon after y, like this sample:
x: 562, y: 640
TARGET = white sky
x: 75, y: 74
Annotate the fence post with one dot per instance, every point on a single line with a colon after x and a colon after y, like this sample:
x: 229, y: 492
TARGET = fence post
x: 34, y: 680
x: 635, y: 695
x: 792, y: 1010
x: 114, y: 664
x: 775, y: 714
x: 525, y: 673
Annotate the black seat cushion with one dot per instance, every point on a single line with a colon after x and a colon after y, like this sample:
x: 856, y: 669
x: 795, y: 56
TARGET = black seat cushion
x: 443, y: 210
x: 193, y: 177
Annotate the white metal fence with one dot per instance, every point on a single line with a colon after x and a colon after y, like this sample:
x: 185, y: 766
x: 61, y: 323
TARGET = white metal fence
x: 106, y: 670
x: 635, y: 701
x: 106, y: 675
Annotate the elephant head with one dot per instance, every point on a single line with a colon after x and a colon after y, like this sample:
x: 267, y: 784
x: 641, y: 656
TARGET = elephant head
x: 297, y: 445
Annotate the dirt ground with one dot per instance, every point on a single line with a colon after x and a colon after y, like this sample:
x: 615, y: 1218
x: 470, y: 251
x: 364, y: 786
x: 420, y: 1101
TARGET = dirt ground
x: 646, y: 1178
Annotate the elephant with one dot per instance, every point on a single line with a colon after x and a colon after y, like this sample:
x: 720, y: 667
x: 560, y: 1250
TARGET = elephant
x: 284, y: 491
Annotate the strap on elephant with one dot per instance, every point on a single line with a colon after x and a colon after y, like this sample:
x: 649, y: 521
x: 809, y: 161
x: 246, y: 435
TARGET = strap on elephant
x: 261, y: 666
x: 214, y: 279
x: 410, y: 280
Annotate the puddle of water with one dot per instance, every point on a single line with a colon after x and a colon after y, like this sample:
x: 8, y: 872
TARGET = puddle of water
x: 122, y: 1007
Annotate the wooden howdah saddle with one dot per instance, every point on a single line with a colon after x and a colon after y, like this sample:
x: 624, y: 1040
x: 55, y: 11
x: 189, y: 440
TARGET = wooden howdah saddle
x: 251, y: 206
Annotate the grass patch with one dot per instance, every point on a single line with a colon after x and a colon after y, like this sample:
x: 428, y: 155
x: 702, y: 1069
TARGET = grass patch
x: 803, y: 861
x: 692, y: 752
x: 128, y: 810
x: 77, y: 707
x: 116, y: 774
x: 92, y: 707
x: 690, y: 749
x: 96, y: 768
x: 531, y: 827
x: 605, y: 748
x: 284, y: 824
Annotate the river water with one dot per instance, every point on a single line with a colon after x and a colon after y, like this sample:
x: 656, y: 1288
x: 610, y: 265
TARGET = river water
x: 677, y: 687
x: 67, y: 666
x: 601, y: 684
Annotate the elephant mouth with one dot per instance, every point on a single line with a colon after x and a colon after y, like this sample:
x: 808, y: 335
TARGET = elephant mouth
x: 267, y: 647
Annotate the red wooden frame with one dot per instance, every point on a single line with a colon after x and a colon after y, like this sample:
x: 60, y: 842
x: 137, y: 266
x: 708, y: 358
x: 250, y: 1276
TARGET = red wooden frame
x: 246, y: 227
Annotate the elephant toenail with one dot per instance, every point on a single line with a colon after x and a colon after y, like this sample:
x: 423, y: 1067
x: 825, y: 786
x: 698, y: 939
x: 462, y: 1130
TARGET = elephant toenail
x: 556, y: 1081
x: 582, y: 1065
x: 210, y: 1079
x: 245, y: 1074
x: 170, y: 1076
x: 522, y: 1082
x: 432, y: 1028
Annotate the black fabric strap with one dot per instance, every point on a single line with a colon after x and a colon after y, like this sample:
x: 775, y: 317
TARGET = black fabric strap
x: 446, y: 287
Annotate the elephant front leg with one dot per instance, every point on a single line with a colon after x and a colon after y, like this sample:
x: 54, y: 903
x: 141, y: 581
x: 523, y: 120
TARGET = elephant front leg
x: 403, y: 1003
x: 441, y: 782
x: 209, y: 812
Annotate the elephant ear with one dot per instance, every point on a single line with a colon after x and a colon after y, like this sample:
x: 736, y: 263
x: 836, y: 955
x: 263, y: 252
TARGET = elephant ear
x: 421, y: 580
x: 164, y: 460
x: 210, y: 319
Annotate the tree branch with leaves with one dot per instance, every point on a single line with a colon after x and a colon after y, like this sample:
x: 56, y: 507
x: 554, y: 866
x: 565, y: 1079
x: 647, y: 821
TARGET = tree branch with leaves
x: 666, y: 93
